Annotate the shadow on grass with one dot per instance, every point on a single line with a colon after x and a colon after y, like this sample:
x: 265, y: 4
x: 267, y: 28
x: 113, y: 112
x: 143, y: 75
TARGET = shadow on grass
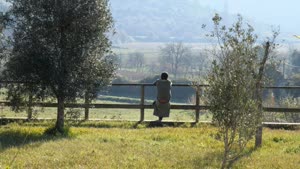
x: 246, y: 154
x: 105, y: 124
x: 214, y: 159
x: 19, y: 137
x: 102, y: 124
x: 129, y: 124
x: 208, y: 160
x: 152, y: 124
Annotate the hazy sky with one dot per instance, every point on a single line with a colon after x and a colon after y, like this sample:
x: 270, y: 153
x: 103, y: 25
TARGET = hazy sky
x: 285, y: 13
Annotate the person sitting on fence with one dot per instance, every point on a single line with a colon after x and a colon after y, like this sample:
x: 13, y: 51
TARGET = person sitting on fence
x: 162, y: 103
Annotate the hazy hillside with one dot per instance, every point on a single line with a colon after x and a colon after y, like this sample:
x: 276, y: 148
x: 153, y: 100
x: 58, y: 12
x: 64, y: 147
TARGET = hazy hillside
x: 172, y: 20
x: 166, y: 20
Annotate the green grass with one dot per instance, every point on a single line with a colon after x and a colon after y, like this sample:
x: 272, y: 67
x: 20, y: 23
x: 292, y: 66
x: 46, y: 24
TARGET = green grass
x: 128, y: 145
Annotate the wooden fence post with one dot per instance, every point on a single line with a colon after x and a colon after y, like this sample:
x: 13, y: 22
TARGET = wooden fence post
x: 142, y: 103
x: 197, y: 111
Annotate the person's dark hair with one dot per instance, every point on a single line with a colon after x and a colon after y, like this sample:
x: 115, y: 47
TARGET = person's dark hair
x: 164, y: 76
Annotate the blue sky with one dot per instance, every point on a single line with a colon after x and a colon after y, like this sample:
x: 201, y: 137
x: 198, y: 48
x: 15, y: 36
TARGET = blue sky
x: 284, y: 13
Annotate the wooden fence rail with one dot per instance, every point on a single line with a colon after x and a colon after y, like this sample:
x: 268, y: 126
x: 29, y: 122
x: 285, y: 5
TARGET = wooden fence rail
x: 142, y: 106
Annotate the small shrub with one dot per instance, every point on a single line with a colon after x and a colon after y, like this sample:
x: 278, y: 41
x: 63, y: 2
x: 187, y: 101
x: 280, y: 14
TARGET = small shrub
x: 160, y: 138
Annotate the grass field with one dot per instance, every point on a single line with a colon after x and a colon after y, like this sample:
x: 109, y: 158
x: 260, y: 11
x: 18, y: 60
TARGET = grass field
x: 127, y: 145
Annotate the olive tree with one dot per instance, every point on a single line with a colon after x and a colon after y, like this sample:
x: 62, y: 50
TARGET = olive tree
x: 4, y: 37
x: 59, y: 50
x: 234, y: 93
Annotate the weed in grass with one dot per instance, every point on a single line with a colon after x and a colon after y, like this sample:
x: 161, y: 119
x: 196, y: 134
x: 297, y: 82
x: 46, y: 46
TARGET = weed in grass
x: 104, y: 140
x: 295, y: 150
x: 279, y: 139
x: 141, y: 126
x: 159, y: 138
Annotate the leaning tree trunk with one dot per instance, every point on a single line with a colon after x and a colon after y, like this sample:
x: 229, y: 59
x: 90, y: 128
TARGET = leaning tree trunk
x: 60, y: 114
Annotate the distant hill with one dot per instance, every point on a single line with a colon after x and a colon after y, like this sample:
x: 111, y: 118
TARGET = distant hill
x: 160, y: 20
x: 164, y: 21
x: 171, y: 20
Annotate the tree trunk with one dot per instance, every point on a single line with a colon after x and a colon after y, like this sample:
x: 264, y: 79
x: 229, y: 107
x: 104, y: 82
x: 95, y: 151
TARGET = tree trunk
x: 60, y: 114
x: 29, y: 109
x: 226, y: 150
x: 258, y: 134
x: 86, y: 108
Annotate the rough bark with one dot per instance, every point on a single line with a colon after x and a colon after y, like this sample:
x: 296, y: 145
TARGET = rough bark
x: 226, y: 150
x: 29, y: 110
x: 86, y: 109
x: 60, y: 114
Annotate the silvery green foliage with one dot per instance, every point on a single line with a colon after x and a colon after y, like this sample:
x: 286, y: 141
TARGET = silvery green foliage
x: 60, y: 47
x: 233, y: 82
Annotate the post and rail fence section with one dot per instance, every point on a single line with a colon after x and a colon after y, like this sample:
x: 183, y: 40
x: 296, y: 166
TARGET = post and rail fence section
x: 142, y: 106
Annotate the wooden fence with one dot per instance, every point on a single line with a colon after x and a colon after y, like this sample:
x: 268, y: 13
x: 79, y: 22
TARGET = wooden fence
x: 142, y: 106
